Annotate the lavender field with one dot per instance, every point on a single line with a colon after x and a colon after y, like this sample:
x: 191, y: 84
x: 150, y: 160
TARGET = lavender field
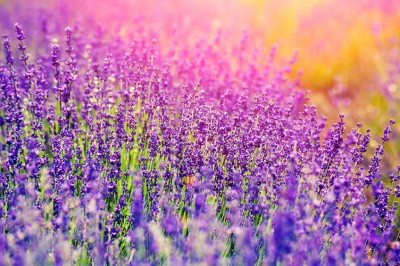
x: 148, y: 143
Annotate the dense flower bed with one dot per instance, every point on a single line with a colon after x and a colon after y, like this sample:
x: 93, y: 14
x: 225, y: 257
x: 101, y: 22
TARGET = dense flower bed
x: 118, y: 152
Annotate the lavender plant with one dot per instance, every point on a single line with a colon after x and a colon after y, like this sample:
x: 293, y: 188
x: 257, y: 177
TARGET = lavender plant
x: 116, y: 153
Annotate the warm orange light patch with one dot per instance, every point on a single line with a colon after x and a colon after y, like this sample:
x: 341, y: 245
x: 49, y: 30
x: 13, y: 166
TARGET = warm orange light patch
x: 189, y: 180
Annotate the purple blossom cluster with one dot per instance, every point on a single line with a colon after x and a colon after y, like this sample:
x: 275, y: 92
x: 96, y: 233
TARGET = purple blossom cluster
x: 116, y: 152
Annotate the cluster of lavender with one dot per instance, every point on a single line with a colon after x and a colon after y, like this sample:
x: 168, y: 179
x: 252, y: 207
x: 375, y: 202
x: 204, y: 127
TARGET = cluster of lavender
x: 128, y: 153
